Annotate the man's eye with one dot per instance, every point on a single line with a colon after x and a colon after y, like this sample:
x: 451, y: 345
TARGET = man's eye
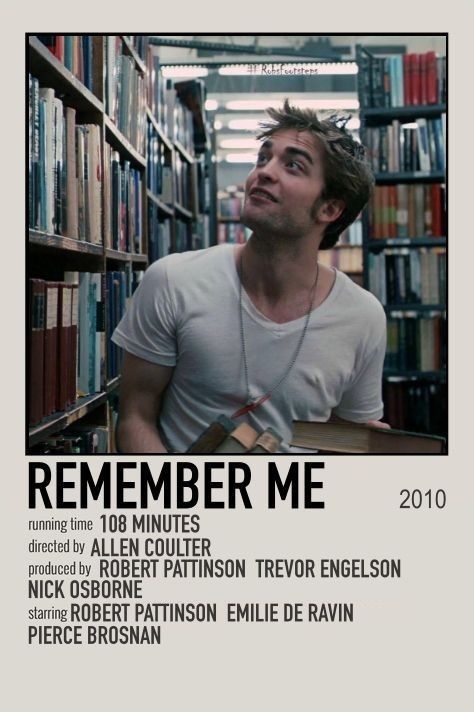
x: 261, y: 158
x: 295, y: 164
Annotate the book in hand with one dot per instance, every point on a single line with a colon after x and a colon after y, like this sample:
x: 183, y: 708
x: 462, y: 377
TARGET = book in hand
x: 357, y: 439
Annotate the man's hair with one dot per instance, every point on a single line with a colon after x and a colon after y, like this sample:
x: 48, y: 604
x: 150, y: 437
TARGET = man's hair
x: 347, y: 173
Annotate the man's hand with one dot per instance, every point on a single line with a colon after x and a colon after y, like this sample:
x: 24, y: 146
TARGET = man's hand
x: 378, y: 424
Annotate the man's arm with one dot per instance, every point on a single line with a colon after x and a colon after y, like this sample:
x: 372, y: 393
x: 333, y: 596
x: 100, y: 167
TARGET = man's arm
x: 142, y: 386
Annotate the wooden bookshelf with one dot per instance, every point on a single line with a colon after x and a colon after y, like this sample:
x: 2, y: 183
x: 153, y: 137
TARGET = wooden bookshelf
x: 372, y: 89
x: 50, y: 255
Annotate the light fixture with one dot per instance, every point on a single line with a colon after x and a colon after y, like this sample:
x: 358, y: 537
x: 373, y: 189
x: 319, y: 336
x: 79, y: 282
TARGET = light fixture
x: 218, y: 125
x: 211, y: 105
x: 263, y: 69
x: 243, y: 124
x: 262, y: 104
x: 239, y: 143
x: 241, y: 157
x: 180, y: 72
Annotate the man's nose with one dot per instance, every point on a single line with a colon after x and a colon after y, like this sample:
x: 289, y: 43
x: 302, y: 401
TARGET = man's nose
x: 268, y: 171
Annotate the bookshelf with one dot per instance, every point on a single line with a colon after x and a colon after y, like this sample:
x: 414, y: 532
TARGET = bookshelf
x: 114, y: 184
x: 403, y: 109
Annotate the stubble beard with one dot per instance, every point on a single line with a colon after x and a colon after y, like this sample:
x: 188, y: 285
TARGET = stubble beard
x: 275, y: 233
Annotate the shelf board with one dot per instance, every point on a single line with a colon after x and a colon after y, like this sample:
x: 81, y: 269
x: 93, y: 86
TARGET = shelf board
x: 118, y: 141
x: 394, y: 375
x: 163, y: 138
x: 113, y: 384
x: 140, y: 64
x: 415, y: 308
x: 65, y: 244
x: 59, y: 421
x: 163, y: 207
x: 183, y: 152
x: 411, y: 177
x: 139, y: 259
x: 51, y: 72
x: 378, y: 244
x: 382, y: 114
x: 117, y: 255
x: 183, y: 212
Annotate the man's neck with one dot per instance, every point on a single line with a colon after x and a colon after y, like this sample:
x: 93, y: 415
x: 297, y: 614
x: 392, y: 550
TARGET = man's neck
x: 284, y: 283
x: 279, y: 270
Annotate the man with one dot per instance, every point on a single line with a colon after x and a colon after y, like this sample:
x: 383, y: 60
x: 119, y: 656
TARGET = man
x: 260, y: 332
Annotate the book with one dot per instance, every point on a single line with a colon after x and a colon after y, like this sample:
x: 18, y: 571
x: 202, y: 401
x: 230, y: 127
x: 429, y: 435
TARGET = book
x: 37, y: 298
x: 363, y: 439
x: 50, y: 347
x: 266, y: 443
x: 213, y: 436
x: 239, y: 440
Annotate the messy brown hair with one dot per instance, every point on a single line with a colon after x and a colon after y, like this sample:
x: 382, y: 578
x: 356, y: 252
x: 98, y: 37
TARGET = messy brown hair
x: 347, y: 173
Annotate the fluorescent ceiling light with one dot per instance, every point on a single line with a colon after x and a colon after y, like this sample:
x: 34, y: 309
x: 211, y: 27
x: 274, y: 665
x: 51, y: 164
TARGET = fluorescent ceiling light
x: 289, y: 69
x: 176, y: 72
x: 262, y: 104
x: 218, y: 124
x: 241, y: 157
x: 239, y: 143
x: 244, y: 124
x: 211, y: 105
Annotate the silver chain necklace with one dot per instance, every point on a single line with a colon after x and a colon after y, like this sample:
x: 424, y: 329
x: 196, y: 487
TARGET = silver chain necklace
x: 253, y: 403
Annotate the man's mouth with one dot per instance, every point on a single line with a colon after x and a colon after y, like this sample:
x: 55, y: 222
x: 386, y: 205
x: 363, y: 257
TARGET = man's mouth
x: 262, y: 193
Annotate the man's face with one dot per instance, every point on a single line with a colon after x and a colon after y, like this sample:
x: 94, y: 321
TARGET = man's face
x: 282, y: 189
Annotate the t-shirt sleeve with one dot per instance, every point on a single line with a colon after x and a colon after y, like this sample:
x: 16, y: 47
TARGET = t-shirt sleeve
x: 362, y: 401
x: 148, y: 327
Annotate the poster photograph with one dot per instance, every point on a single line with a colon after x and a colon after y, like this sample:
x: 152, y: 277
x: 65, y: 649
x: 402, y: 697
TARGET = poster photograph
x: 236, y: 420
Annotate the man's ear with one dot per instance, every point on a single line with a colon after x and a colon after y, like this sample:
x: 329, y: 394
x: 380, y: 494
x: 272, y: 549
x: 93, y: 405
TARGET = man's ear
x: 330, y: 210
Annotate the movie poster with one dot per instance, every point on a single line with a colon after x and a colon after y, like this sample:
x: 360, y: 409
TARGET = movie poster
x: 235, y: 582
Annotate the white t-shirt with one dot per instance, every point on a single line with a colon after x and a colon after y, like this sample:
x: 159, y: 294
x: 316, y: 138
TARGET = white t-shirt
x: 185, y: 314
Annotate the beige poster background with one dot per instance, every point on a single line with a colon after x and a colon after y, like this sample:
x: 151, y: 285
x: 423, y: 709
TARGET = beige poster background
x: 409, y: 646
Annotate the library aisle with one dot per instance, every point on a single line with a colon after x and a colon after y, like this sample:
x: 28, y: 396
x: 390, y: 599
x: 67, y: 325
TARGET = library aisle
x: 139, y: 147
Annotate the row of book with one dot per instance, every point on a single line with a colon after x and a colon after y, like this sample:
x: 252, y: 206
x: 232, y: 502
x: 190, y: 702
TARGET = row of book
x: 224, y: 436
x: 120, y: 286
x: 402, y: 80
x: 417, y: 406
x: 67, y: 342
x: 184, y: 185
x: 123, y: 199
x: 407, y: 211
x: 230, y: 206
x: 125, y: 93
x: 409, y: 276
x: 65, y: 170
x: 352, y: 235
x: 155, y: 161
x: 231, y: 232
x: 183, y: 236
x: 159, y: 233
x: 415, y: 146
x: 346, y: 258
x: 416, y: 343
x: 76, y: 52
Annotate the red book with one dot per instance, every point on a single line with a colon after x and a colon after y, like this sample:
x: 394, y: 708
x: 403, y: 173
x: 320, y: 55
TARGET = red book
x: 36, y: 351
x: 59, y: 47
x: 423, y: 79
x: 415, y: 79
x: 436, y: 213
x: 407, y: 79
x: 50, y: 347
x: 73, y: 343
x: 392, y: 208
x: 64, y: 337
x: 431, y: 78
